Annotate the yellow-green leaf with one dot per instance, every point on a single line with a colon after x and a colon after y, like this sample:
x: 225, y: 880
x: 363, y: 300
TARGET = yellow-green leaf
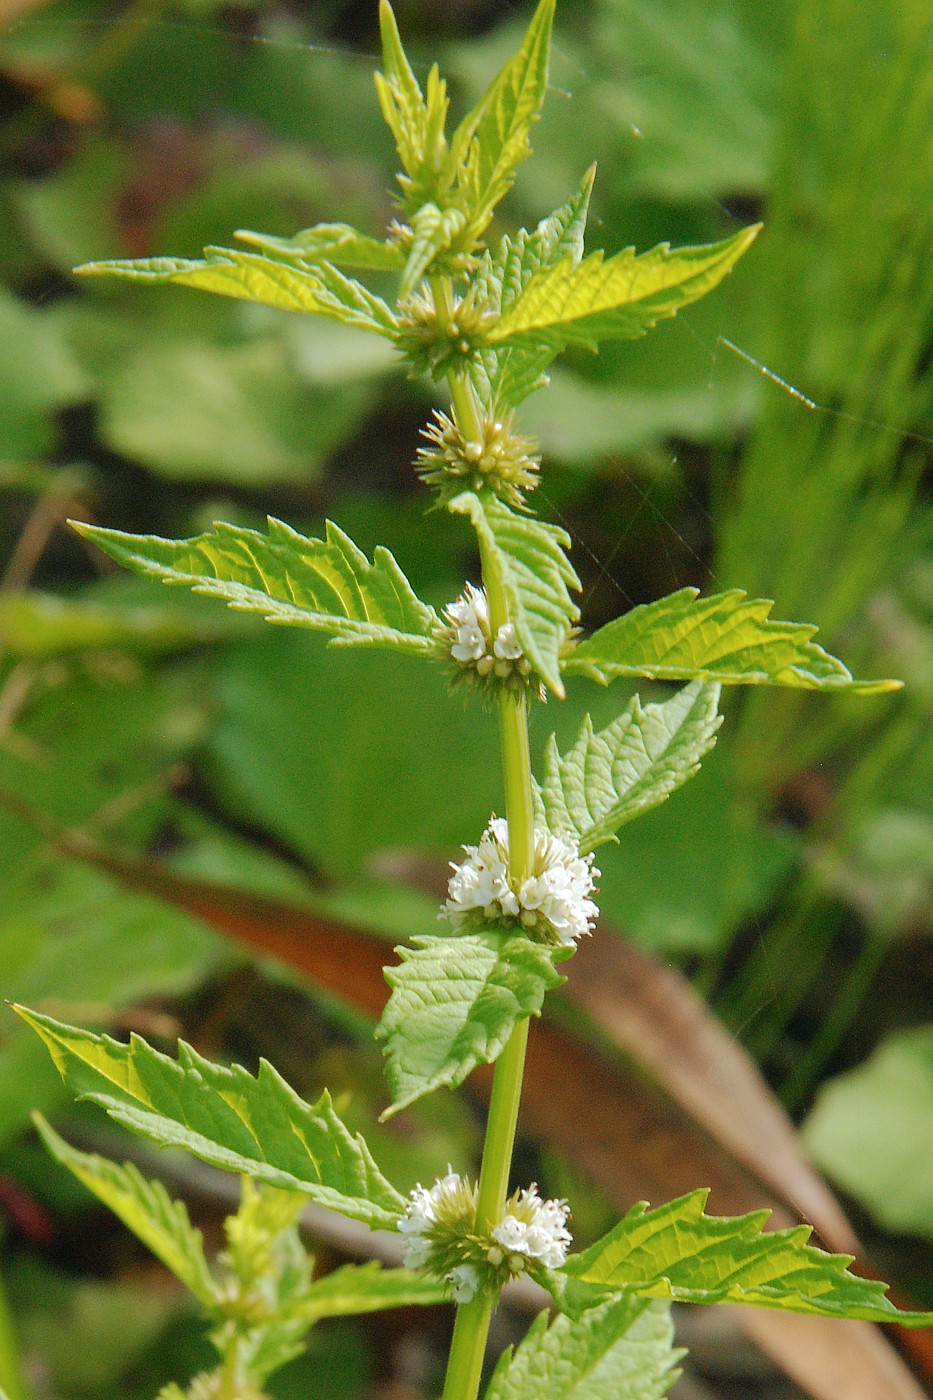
x: 614, y: 298
x: 334, y: 243
x: 328, y: 585
x: 145, y: 1207
x: 492, y: 140
x: 680, y: 1253
x: 320, y: 290
x: 727, y: 638
x: 255, y: 1125
x: 507, y: 375
x: 365, y: 1288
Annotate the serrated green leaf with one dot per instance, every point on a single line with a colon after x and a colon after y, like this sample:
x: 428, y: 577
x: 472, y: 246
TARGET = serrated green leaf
x: 618, y: 298
x: 417, y: 123
x: 365, y: 1288
x: 400, y: 95
x: 727, y: 638
x: 145, y: 1207
x: 632, y: 765
x: 621, y: 1350
x: 678, y: 1252
x: 320, y: 290
x: 510, y: 374
x: 328, y: 585
x: 454, y: 1004
x: 254, y: 1125
x: 339, y: 244
x: 527, y: 556
x: 558, y: 236
x: 492, y: 140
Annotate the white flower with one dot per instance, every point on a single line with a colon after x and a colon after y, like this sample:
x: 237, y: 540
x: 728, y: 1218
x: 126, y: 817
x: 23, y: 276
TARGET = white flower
x: 467, y: 631
x: 466, y: 1281
x: 553, y: 902
x: 442, y: 1236
x: 468, y: 618
x: 435, y: 1222
x: 507, y: 646
x: 534, y: 1229
x: 422, y: 1213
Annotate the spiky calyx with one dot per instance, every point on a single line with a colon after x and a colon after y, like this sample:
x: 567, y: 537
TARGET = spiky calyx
x: 498, y: 458
x: 438, y: 345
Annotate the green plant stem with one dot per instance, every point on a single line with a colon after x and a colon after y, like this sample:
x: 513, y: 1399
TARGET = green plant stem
x: 11, y: 1371
x: 230, y: 1374
x: 471, y: 1328
x: 467, y: 1349
x: 500, y: 1127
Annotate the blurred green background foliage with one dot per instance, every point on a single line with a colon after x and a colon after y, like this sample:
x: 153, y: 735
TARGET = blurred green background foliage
x: 777, y: 436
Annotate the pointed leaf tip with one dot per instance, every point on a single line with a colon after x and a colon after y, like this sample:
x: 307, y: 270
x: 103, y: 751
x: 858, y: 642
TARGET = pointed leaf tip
x: 493, y: 139
x: 615, y: 298
x: 676, y: 1251
x: 328, y: 585
x: 256, y: 1125
x: 605, y: 780
x: 725, y: 637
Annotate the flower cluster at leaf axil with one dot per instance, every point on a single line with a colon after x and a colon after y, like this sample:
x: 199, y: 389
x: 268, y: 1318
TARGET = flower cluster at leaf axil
x: 497, y: 458
x: 552, y: 904
x: 478, y: 655
x: 442, y: 1236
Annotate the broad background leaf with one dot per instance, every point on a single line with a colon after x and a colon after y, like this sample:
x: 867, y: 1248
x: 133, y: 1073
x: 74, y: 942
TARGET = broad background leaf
x: 326, y: 738
x: 607, y: 778
x: 69, y: 937
x: 39, y: 376
x: 871, y: 1131
x: 226, y: 413
x: 256, y: 1126
x: 454, y: 1004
